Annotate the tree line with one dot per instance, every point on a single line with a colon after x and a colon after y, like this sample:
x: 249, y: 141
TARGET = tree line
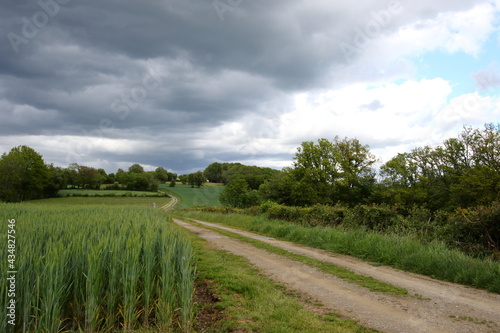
x: 461, y: 172
x: 450, y: 192
x: 25, y: 176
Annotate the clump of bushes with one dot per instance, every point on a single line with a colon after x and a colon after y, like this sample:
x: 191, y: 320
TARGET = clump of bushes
x: 317, y: 215
x: 477, y: 229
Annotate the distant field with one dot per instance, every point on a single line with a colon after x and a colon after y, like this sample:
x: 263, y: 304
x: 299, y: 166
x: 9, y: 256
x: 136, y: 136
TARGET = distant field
x: 108, y: 201
x: 214, y: 184
x: 98, y: 193
x: 192, y: 197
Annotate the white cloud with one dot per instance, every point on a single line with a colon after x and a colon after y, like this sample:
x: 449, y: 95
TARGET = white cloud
x: 407, y: 115
x: 403, y: 108
x: 468, y: 109
x: 462, y: 31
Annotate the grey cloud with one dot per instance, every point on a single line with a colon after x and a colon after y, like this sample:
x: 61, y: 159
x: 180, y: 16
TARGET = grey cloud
x: 87, y: 64
x: 373, y: 105
x: 487, y: 79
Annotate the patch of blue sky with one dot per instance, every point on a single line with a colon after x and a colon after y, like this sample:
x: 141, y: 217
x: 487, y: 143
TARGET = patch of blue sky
x: 458, y: 68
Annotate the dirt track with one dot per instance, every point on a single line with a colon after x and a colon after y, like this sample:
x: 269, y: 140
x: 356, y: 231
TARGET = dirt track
x: 169, y: 205
x: 434, y: 306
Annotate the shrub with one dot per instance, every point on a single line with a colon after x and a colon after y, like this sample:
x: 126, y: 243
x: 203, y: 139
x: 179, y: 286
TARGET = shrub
x: 280, y: 212
x: 264, y: 207
x: 372, y: 217
x: 326, y: 215
x: 476, y: 229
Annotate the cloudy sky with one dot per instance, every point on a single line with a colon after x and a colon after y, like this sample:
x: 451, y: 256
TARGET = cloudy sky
x: 184, y: 83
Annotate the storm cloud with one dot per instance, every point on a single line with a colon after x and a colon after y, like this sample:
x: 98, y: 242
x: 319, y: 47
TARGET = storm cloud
x: 181, y: 84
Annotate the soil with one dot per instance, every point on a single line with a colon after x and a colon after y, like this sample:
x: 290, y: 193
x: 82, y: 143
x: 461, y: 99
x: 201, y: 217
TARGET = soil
x: 432, y: 306
x: 209, y: 318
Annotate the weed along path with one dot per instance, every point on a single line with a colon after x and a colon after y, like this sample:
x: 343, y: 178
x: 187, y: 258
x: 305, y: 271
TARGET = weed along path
x: 430, y: 306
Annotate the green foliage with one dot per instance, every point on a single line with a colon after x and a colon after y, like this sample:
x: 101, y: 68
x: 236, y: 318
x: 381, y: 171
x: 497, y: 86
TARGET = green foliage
x: 338, y: 170
x: 462, y: 172
x: 317, y: 215
x: 23, y: 175
x: 225, y: 172
x: 287, y: 213
x: 196, y: 179
x: 325, y: 172
x: 138, y: 181
x: 89, y: 177
x: 215, y: 172
x: 477, y: 229
x: 238, y: 194
x: 265, y: 206
x: 285, y: 189
x: 136, y: 168
x: 372, y: 217
x: 162, y: 175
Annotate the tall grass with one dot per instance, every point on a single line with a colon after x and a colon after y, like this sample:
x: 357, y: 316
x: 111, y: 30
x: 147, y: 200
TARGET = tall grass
x: 96, y: 269
x: 434, y: 259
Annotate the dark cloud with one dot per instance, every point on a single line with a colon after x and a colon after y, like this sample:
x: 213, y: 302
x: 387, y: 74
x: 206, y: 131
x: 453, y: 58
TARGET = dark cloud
x: 169, y: 72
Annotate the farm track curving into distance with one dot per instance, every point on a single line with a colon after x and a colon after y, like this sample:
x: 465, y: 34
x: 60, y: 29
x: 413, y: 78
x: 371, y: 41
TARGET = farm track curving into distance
x: 171, y: 204
x: 433, y: 306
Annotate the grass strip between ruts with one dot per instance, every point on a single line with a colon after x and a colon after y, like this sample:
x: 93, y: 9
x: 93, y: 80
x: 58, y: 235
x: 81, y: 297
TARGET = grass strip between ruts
x: 370, y: 283
x: 251, y: 302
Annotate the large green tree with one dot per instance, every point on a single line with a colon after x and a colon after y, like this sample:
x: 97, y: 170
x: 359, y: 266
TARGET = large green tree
x: 136, y: 168
x: 337, y: 170
x: 162, y: 175
x: 196, y: 179
x: 23, y: 175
